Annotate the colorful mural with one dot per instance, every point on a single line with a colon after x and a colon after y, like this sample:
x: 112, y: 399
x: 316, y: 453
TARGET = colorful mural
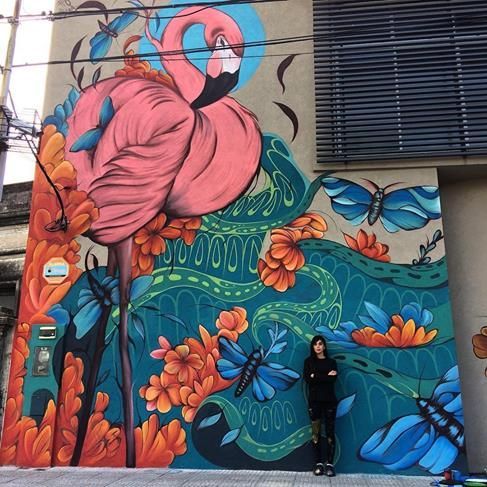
x: 181, y: 328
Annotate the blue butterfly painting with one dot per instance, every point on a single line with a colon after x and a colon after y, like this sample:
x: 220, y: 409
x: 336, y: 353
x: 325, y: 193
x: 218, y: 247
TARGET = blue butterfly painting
x: 401, y: 209
x: 265, y: 376
x: 431, y: 439
x: 92, y: 301
x: 90, y: 138
x: 102, y: 41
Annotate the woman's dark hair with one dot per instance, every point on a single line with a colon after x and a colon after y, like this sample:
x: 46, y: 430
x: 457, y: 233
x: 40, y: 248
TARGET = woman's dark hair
x: 314, y: 340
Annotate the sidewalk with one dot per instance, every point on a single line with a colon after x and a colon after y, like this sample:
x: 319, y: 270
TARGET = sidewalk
x: 117, y: 477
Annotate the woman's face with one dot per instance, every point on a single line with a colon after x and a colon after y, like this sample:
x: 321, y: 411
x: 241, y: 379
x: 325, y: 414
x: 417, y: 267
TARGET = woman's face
x: 319, y: 347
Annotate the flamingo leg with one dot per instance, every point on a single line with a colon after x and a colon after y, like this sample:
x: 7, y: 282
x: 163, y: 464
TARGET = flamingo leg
x: 95, y: 367
x: 123, y: 251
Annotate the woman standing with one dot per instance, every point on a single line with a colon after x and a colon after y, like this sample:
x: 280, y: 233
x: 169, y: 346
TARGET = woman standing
x: 320, y: 372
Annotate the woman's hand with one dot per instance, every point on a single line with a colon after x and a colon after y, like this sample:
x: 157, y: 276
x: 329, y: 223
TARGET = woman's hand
x: 332, y: 372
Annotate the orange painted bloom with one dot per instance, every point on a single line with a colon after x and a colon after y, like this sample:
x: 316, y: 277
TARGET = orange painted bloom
x: 183, y: 363
x: 68, y: 408
x: 274, y: 274
x: 151, y: 237
x: 284, y: 248
x: 51, y: 150
x: 186, y: 228
x: 162, y: 393
x: 189, y: 375
x: 232, y: 323
x: 11, y: 430
x: 311, y: 224
x: 207, y: 349
x: 161, y: 352
x: 13, y: 406
x: 400, y: 335
x: 207, y: 346
x: 156, y: 446
x: 367, y: 245
x: 35, y: 443
x: 149, y: 242
x: 20, y: 353
x: 142, y: 265
x: 79, y: 208
x: 135, y: 68
x: 193, y: 397
x: 479, y: 342
x: 102, y: 440
x: 282, y: 260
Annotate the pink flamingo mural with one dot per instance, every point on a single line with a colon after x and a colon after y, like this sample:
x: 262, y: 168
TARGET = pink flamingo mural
x: 141, y: 147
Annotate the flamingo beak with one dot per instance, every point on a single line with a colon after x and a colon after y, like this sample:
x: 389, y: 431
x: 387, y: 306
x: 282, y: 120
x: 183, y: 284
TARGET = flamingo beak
x: 215, y: 88
x: 222, y: 74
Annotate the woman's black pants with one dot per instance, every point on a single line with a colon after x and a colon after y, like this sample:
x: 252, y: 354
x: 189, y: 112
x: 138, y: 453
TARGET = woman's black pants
x: 319, y: 411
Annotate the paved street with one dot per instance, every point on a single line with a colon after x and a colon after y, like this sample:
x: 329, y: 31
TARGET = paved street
x: 98, y: 477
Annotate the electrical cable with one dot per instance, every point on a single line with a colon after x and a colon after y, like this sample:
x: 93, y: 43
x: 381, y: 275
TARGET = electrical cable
x: 157, y: 54
x: 60, y: 223
x: 53, y: 16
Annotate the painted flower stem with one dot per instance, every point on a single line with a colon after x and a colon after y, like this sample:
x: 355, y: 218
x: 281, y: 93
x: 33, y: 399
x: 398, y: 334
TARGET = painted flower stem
x: 90, y: 387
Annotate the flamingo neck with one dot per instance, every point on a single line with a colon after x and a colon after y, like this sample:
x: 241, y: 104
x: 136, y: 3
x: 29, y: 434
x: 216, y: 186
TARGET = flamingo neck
x: 188, y: 79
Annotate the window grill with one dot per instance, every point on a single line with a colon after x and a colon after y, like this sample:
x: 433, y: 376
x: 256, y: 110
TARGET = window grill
x: 399, y: 79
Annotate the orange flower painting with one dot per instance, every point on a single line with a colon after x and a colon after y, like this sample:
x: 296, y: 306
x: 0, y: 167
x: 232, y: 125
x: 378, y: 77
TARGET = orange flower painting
x: 157, y: 446
x: 284, y: 257
x: 68, y: 408
x: 311, y: 224
x: 151, y: 237
x: 13, y: 421
x: 183, y: 363
x: 162, y: 392
x: 190, y: 375
x: 368, y: 246
x: 403, y: 330
x: 192, y: 397
x: 232, y: 323
x: 150, y: 240
x: 34, y: 448
x: 135, y: 68
x: 102, y: 440
x: 399, y: 335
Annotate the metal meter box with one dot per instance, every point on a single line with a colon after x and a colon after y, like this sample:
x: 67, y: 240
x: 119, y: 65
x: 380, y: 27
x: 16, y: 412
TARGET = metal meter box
x: 41, y: 384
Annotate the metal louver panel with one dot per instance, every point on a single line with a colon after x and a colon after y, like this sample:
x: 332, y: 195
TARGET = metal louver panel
x: 399, y: 79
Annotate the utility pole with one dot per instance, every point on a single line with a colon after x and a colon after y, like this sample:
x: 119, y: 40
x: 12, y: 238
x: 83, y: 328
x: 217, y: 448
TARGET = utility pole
x: 4, y: 90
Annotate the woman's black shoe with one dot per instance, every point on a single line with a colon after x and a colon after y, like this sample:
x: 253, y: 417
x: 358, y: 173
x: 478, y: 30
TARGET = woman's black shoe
x: 330, y: 470
x: 319, y: 469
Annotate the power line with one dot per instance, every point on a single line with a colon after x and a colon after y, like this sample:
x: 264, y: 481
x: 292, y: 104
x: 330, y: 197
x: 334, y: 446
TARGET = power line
x: 52, y: 16
x: 169, y: 54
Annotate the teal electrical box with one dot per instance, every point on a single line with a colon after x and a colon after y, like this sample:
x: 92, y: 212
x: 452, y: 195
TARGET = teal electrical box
x: 41, y: 383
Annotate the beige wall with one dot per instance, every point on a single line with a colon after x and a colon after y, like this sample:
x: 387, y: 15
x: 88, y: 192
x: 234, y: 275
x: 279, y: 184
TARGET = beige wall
x: 465, y: 224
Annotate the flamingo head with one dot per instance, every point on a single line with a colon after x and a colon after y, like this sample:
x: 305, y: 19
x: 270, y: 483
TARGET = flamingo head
x: 223, y: 67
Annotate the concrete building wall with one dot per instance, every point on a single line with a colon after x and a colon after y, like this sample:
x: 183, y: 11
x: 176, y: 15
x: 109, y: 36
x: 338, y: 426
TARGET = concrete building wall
x: 232, y: 251
x: 464, y: 201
